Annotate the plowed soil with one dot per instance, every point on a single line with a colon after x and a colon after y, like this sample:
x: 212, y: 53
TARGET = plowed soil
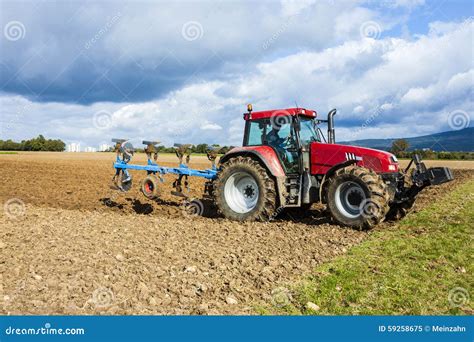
x: 81, y: 247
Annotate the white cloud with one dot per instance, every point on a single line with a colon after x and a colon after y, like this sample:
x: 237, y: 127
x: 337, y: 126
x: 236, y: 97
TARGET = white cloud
x: 399, y: 87
x: 358, y: 109
x: 407, y: 3
x: 386, y: 106
x: 348, y: 24
x: 292, y: 7
x: 210, y: 126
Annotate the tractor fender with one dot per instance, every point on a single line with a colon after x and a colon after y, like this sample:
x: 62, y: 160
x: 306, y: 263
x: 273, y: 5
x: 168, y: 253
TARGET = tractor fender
x: 265, y: 154
x: 269, y: 158
x: 331, y: 172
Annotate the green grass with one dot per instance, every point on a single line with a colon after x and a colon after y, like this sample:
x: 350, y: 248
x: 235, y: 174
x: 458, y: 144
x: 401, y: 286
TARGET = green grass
x: 8, y: 152
x: 409, y: 269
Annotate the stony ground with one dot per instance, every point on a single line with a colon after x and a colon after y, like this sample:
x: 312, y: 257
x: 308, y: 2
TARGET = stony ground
x: 78, y: 247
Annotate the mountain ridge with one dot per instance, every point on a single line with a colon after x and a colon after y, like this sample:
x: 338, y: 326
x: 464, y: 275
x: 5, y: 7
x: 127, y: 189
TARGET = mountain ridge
x: 451, y: 141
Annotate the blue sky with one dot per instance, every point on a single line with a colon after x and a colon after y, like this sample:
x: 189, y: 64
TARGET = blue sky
x: 184, y: 71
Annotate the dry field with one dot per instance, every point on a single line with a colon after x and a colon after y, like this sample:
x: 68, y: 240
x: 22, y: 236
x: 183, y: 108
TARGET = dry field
x: 82, y: 248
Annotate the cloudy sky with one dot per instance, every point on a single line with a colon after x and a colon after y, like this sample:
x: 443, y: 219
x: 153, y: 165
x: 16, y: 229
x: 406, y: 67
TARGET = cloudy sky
x: 175, y: 71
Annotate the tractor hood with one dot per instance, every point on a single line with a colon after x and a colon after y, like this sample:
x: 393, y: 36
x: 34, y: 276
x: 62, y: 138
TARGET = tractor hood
x: 324, y: 156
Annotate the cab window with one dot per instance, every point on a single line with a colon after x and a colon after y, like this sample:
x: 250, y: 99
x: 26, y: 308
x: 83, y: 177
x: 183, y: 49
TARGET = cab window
x: 256, y: 133
x: 307, y: 132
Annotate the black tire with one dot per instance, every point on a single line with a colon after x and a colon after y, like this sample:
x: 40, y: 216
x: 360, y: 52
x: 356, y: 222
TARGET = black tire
x: 256, y: 199
x: 357, y: 197
x: 150, y: 187
x: 192, y: 208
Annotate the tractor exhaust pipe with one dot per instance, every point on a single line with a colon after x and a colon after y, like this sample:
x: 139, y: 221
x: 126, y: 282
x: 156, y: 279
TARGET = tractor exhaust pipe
x: 331, y: 132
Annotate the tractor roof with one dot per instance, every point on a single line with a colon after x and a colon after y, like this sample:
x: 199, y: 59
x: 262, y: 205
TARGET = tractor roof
x: 280, y: 112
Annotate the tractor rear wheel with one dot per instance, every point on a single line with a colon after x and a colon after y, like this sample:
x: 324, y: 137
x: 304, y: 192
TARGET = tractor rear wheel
x: 357, y: 197
x: 244, y: 191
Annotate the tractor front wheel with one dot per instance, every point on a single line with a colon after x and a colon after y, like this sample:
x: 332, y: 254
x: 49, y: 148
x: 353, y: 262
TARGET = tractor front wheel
x: 244, y: 191
x: 357, y: 197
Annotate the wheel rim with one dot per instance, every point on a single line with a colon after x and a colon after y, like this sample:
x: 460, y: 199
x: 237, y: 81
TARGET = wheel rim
x: 149, y: 187
x: 349, y: 197
x: 241, y: 192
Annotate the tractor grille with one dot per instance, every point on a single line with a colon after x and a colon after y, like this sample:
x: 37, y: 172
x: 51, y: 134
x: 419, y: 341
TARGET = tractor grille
x: 371, y: 162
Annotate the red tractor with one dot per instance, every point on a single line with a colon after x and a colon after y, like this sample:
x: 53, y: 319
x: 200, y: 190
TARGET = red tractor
x: 286, y: 162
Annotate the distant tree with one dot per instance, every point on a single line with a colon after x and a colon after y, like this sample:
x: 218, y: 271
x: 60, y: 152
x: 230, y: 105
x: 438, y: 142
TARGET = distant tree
x: 200, y: 148
x: 399, y: 146
x: 39, y: 143
x: 9, y: 145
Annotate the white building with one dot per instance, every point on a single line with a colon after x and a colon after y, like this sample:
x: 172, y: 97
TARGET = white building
x: 73, y: 147
x: 90, y: 149
x: 104, y: 147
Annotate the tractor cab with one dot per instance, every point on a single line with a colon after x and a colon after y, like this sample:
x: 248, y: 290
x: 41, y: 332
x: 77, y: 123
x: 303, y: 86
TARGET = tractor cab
x: 287, y: 131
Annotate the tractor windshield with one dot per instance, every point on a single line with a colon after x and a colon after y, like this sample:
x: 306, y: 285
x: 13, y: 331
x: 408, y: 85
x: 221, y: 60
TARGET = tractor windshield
x: 307, y: 133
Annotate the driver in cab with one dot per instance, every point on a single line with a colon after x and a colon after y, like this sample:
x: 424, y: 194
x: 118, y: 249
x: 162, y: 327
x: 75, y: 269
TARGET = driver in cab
x: 280, y: 141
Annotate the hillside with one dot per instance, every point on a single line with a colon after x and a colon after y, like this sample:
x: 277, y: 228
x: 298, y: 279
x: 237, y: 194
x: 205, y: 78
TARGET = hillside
x: 451, y: 141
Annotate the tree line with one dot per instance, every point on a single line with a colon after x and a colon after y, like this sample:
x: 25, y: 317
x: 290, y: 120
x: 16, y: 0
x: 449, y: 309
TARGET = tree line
x: 40, y: 143
x: 400, y: 149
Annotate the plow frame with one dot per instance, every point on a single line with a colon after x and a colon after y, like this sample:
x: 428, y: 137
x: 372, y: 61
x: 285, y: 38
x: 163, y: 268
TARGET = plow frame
x: 152, y: 167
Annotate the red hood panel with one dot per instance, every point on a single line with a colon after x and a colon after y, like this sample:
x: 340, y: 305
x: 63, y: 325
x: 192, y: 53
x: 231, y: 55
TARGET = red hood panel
x: 324, y: 156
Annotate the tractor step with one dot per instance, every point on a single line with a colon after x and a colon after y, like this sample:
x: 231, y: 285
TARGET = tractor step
x: 293, y: 189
